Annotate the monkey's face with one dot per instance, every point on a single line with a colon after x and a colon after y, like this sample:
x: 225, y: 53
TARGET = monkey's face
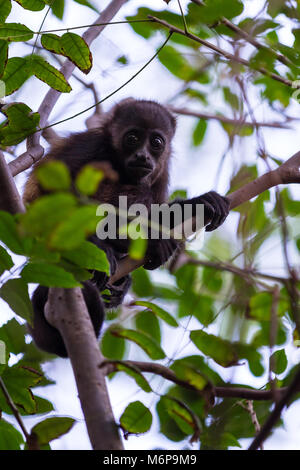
x: 143, y: 150
x: 141, y: 134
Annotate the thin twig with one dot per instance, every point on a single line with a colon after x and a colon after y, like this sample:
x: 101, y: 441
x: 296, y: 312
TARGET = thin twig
x: 234, y: 122
x: 220, y: 392
x: 13, y: 408
x: 222, y: 52
x: 276, y: 413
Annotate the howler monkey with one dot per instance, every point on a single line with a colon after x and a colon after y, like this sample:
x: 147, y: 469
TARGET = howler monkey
x: 135, y: 140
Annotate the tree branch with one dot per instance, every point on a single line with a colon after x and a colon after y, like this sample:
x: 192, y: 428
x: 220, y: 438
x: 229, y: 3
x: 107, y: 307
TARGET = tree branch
x: 66, y: 311
x: 287, y: 173
x: 34, y: 150
x: 234, y: 122
x: 221, y: 52
x: 168, y: 374
x: 9, y: 197
x: 276, y: 413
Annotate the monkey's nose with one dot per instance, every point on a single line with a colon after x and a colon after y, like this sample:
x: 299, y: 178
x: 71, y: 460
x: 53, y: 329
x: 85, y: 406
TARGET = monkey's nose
x: 141, y: 157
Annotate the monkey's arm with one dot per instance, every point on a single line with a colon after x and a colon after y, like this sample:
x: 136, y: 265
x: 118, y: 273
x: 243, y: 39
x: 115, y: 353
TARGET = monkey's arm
x: 216, y: 209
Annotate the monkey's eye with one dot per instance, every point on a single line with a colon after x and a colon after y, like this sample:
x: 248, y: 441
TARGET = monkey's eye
x: 157, y: 142
x: 131, y: 139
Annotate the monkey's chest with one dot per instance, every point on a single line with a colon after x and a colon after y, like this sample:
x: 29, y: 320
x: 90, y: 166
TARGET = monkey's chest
x: 117, y: 194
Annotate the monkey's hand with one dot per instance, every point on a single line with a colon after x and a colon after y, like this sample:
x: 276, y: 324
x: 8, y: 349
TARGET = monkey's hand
x: 216, y: 209
x: 159, y: 251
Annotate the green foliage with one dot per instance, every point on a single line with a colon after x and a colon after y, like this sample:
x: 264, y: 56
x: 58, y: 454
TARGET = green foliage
x: 20, y: 123
x: 49, y: 74
x: 76, y: 49
x: 136, y: 419
x: 51, y: 428
x: 33, y: 5
x: 160, y: 312
x: 151, y: 348
x: 14, y: 32
x: 112, y: 346
x: 54, y: 176
x: 10, y: 438
x: 135, y: 373
x: 15, y: 293
x: 5, y: 7
x: 15, y: 74
x: 88, y: 180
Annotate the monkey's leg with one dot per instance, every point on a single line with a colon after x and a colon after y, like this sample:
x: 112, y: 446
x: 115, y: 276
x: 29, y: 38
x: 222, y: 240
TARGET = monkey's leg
x: 45, y: 335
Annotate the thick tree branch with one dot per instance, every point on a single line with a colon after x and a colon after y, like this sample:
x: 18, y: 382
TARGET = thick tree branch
x: 66, y: 310
x: 9, y: 197
x: 34, y: 150
x: 288, y: 172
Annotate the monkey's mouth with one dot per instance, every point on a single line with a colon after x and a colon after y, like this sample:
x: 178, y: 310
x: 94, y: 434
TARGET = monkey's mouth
x: 140, y: 168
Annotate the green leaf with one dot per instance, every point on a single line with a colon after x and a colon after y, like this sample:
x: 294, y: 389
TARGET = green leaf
x: 52, y: 43
x: 231, y: 98
x: 190, y: 374
x: 145, y: 342
x: 112, y: 347
x: 9, y: 233
x: 160, y: 312
x: 141, y: 283
x: 5, y: 8
x: 176, y: 63
x: 279, y: 360
x: 136, y: 419
x: 212, y: 10
x: 88, y: 255
x: 52, y: 428
x: 72, y: 232
x: 3, y: 61
x: 21, y: 122
x: 58, y: 8
x: 15, y: 74
x: 33, y: 5
x: 44, y: 214
x: 135, y: 373
x: 15, y: 32
x: 147, y: 322
x: 77, y: 50
x: 48, y: 275
x: 6, y: 262
x: 199, y: 132
x: 48, y: 74
x: 54, y: 175
x: 13, y: 334
x: 18, y: 381
x: 221, y: 350
x: 183, y: 417
x: 137, y: 248
x: 226, y: 353
x: 15, y: 293
x: 260, y: 306
x: 10, y: 438
x: 87, y: 4
x: 88, y: 179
